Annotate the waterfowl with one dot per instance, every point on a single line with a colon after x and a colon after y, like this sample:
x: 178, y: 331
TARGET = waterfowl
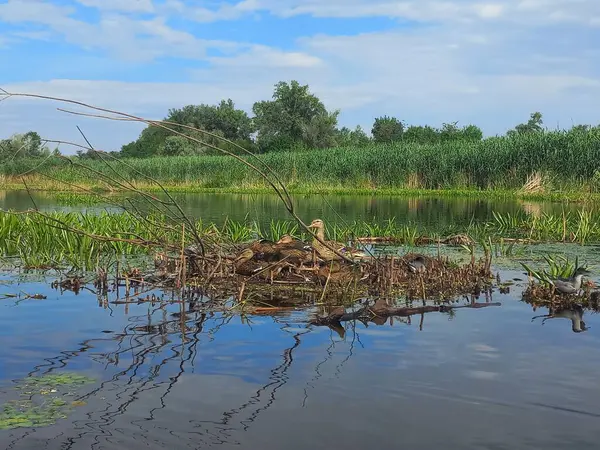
x: 325, y: 252
x: 244, y: 263
x: 265, y: 249
x: 337, y: 272
x: 417, y: 265
x: 288, y: 241
x: 293, y: 250
x: 573, y: 285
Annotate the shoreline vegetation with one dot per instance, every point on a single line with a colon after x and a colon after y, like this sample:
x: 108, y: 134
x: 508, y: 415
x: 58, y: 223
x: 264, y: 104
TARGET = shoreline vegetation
x: 558, y: 166
x: 219, y: 148
x: 82, y: 239
x: 86, y: 191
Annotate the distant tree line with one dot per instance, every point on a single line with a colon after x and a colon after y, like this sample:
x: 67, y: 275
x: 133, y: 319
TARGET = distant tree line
x: 294, y: 119
x: 18, y: 146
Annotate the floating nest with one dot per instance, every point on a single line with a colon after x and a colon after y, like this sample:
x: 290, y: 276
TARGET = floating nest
x: 538, y: 294
x: 261, y: 277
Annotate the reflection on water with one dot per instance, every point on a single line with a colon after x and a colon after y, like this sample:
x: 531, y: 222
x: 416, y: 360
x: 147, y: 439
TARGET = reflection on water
x: 183, y: 378
x: 427, y: 211
x: 574, y: 313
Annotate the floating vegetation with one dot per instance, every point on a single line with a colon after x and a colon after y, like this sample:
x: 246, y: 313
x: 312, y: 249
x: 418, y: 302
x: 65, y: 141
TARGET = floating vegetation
x: 79, y: 240
x: 561, y: 283
x: 559, y: 267
x: 73, y: 199
x: 581, y: 227
x: 42, y: 400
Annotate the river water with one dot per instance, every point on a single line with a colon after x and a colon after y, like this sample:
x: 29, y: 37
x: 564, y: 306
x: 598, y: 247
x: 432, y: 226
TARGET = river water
x: 488, y: 378
x: 425, y: 211
x: 479, y: 378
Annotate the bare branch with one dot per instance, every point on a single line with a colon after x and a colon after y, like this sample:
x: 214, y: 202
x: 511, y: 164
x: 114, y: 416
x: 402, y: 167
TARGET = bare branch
x: 284, y: 196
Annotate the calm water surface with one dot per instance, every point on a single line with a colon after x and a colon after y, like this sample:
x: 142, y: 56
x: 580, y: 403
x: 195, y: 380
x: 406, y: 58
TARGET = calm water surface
x: 486, y: 378
x: 480, y: 378
x: 426, y: 211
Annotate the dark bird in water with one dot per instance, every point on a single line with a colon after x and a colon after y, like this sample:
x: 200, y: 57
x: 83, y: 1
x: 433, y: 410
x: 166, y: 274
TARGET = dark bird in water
x: 572, y: 285
x: 417, y: 265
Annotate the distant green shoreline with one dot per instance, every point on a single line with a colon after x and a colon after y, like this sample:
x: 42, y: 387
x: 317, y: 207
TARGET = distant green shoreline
x: 567, y: 196
x: 556, y: 166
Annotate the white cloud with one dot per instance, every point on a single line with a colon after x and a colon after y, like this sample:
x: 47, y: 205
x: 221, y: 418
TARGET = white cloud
x: 523, y: 11
x: 485, y: 62
x: 127, y: 38
x: 261, y: 56
x: 490, y: 10
x: 132, y: 6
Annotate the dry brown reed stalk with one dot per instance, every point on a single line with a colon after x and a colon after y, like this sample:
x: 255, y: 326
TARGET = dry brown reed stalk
x: 275, y: 184
x: 535, y: 183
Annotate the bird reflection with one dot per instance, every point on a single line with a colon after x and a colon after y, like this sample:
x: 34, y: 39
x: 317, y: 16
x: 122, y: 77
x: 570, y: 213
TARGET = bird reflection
x: 573, y: 313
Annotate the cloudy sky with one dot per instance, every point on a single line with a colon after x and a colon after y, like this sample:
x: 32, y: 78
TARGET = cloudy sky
x: 423, y: 61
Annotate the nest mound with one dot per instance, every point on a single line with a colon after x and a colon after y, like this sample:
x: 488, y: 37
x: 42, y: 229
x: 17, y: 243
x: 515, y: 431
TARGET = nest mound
x: 538, y: 294
x: 232, y: 274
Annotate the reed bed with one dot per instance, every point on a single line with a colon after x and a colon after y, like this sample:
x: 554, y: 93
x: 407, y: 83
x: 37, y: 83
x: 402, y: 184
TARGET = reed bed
x: 43, y: 242
x: 38, y: 241
x: 554, y: 160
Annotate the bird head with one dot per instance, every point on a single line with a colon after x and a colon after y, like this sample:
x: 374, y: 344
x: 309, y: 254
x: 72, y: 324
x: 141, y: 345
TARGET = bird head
x: 316, y: 223
x: 285, y: 239
x: 245, y: 255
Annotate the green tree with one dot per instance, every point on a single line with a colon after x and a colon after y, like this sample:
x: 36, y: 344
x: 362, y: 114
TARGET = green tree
x: 352, y: 138
x: 472, y: 133
x: 421, y: 134
x: 176, y: 146
x: 533, y: 125
x: 28, y: 145
x: 294, y: 117
x: 387, y: 129
x: 450, y: 132
x: 235, y: 124
x: 319, y: 132
x: 221, y: 120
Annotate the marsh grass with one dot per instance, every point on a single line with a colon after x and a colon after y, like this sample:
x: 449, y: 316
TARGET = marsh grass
x: 582, y: 226
x: 38, y: 243
x: 559, y: 266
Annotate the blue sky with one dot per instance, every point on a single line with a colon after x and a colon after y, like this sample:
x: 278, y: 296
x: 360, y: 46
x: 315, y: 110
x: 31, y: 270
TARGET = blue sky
x: 425, y: 62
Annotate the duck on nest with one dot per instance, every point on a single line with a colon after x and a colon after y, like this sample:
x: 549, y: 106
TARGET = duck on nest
x: 325, y: 252
x: 293, y: 250
x: 246, y: 263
